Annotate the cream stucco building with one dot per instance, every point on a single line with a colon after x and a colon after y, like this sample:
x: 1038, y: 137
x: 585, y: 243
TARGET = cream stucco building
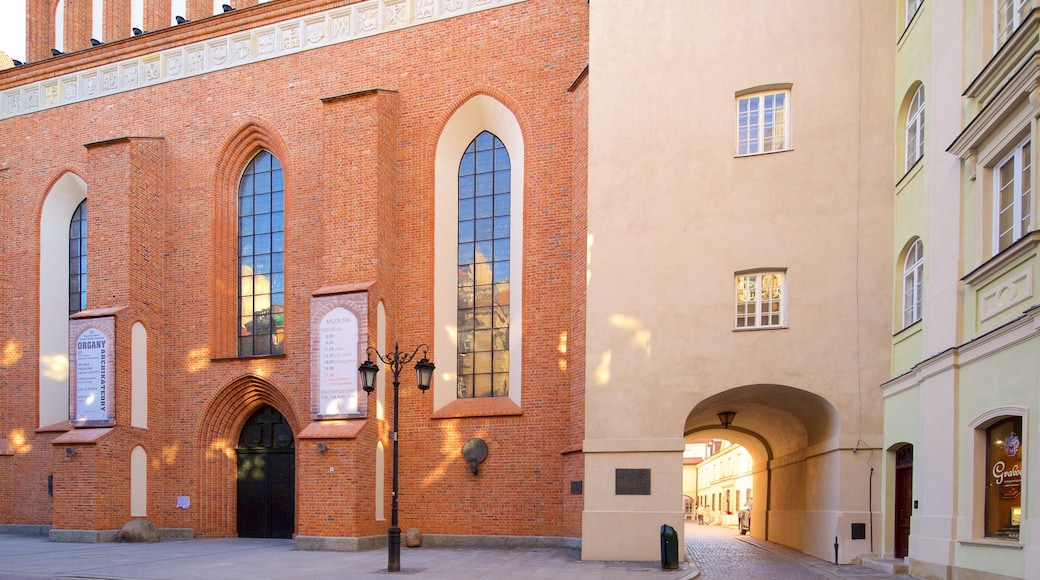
x: 739, y: 227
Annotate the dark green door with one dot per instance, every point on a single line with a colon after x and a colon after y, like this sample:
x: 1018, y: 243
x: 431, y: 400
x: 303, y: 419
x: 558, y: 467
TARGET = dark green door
x: 266, y: 476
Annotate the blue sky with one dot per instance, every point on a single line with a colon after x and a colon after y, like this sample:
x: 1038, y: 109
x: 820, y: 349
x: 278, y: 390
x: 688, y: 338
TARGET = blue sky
x: 12, y: 28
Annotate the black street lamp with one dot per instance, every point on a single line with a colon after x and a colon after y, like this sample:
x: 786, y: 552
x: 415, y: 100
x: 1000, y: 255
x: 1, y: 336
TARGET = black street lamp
x: 423, y: 374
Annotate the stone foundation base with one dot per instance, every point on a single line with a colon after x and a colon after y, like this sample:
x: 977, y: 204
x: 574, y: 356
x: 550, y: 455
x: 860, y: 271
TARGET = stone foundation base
x: 25, y: 529
x: 104, y: 536
x: 338, y: 544
x: 342, y: 544
x: 461, y: 540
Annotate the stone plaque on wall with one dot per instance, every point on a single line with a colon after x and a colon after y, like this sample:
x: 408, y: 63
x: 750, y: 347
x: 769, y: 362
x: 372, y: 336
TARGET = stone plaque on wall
x: 92, y: 362
x: 339, y: 335
x: 631, y: 482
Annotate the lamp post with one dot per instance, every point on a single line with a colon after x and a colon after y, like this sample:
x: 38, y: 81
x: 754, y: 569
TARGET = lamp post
x: 423, y: 373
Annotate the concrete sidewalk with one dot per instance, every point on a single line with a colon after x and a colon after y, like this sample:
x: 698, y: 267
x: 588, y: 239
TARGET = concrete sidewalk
x: 27, y: 557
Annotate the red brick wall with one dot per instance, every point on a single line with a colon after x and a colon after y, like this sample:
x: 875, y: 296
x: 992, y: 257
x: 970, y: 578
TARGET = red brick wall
x: 359, y: 207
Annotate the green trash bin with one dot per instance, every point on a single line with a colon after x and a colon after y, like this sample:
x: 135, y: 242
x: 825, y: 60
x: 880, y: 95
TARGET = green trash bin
x: 669, y: 548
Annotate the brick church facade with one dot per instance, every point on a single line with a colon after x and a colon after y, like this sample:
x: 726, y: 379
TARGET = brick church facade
x: 208, y: 224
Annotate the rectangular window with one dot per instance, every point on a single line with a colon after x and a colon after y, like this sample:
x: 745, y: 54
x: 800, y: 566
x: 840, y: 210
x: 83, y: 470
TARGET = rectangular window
x: 760, y: 300
x: 762, y: 123
x: 1004, y: 479
x: 1008, y: 16
x: 1013, y: 196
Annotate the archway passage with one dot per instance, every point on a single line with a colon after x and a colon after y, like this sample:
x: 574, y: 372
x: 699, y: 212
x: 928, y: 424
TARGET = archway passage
x: 266, y: 476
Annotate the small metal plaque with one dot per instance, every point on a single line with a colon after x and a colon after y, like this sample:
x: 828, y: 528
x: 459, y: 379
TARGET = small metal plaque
x: 859, y: 531
x: 631, y: 482
x: 576, y: 487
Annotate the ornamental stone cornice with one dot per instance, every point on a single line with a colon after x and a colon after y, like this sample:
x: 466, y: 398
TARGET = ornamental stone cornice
x: 1016, y: 92
x: 223, y: 41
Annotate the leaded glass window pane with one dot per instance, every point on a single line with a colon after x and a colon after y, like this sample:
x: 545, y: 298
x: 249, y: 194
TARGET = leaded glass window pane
x: 78, y: 259
x: 483, y: 269
x: 261, y: 257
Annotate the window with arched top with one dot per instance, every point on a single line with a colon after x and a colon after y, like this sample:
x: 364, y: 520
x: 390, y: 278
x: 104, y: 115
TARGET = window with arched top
x: 483, y: 268
x: 59, y: 25
x: 78, y: 259
x: 261, y: 257
x: 913, y: 283
x: 1005, y: 450
x: 177, y: 8
x: 97, y: 19
x: 915, y: 129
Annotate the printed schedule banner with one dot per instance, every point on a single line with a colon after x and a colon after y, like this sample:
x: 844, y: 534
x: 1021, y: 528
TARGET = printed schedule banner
x: 338, y: 340
x: 92, y: 353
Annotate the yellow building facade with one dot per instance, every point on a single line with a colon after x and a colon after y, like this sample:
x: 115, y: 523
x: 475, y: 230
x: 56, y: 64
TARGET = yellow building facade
x: 965, y: 382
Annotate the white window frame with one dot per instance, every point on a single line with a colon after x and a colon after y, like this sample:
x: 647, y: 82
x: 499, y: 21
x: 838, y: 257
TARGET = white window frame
x: 1018, y: 202
x: 911, y: 10
x: 755, y: 133
x: 1007, y: 17
x: 747, y: 293
x: 913, y: 283
x: 915, y: 129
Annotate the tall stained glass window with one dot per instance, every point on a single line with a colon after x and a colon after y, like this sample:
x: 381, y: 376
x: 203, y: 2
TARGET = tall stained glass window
x: 78, y: 259
x: 483, y: 289
x: 261, y: 257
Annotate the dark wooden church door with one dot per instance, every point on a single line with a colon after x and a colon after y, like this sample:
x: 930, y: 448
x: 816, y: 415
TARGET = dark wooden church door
x: 266, y: 476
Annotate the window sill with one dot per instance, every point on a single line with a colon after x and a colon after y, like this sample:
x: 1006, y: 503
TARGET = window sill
x: 751, y: 328
x: 760, y: 153
x: 909, y: 329
x: 909, y: 175
x: 248, y: 357
x: 992, y: 543
x: 997, y: 264
x: 478, y: 407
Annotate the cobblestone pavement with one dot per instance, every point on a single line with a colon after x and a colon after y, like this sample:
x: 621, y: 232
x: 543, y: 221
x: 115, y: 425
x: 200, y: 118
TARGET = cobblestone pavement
x: 720, y: 554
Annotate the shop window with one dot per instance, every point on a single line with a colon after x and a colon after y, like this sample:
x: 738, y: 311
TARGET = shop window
x: 1004, y: 479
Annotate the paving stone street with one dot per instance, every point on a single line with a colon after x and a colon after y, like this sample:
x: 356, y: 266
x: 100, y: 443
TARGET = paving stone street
x: 720, y: 553
x: 716, y: 553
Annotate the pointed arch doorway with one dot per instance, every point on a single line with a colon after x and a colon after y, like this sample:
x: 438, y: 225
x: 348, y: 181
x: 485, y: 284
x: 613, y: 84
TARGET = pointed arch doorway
x: 266, y: 476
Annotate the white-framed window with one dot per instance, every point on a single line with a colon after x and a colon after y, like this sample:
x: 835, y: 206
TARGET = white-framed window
x: 1013, y: 197
x: 915, y: 129
x: 913, y: 283
x: 763, y: 122
x: 761, y: 299
x: 911, y: 9
x: 1008, y: 16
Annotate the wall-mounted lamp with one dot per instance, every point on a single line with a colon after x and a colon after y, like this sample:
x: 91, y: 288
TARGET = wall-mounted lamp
x: 322, y: 447
x: 726, y: 417
x: 70, y: 452
x: 475, y: 451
